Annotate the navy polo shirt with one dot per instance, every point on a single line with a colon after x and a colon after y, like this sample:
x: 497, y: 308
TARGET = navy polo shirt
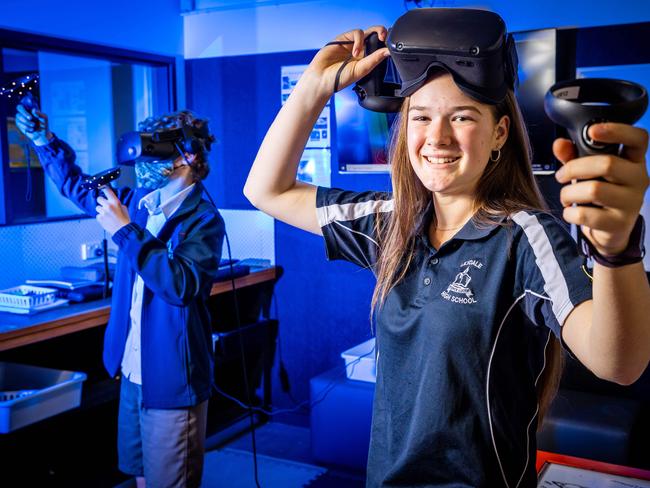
x: 460, y: 341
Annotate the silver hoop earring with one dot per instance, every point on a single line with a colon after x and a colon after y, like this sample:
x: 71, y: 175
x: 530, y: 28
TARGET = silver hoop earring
x: 493, y: 159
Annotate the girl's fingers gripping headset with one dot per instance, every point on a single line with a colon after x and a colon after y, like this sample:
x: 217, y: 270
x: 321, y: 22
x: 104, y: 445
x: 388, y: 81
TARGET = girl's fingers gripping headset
x: 358, y: 51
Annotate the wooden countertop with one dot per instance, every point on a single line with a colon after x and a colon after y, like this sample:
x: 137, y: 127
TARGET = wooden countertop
x: 19, y: 330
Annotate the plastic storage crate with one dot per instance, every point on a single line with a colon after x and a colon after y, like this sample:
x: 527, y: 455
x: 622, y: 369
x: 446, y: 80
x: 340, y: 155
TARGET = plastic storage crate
x: 26, y: 298
x: 360, y: 363
x: 30, y: 393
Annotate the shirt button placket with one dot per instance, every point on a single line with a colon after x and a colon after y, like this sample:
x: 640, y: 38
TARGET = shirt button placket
x: 427, y: 279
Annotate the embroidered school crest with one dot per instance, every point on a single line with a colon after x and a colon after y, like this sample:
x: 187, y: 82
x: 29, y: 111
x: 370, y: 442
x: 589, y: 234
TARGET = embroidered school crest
x: 459, y: 290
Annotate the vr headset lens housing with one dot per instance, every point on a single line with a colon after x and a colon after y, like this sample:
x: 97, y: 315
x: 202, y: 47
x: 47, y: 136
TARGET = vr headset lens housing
x: 471, y: 45
x: 143, y: 146
x: 160, y: 145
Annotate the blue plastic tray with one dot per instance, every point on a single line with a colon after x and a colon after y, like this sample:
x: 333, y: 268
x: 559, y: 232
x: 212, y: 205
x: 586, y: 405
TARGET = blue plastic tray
x: 30, y: 393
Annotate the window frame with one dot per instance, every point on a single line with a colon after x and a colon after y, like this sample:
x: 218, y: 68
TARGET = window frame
x: 11, y: 39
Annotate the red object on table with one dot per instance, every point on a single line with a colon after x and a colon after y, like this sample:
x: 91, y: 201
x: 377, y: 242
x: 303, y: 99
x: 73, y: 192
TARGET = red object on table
x: 544, y: 457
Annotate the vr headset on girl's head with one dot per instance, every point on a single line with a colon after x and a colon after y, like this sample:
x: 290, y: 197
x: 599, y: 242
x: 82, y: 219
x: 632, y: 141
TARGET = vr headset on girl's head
x: 471, y: 45
x: 161, y: 145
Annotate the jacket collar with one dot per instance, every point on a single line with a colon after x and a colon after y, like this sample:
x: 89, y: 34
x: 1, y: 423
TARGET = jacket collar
x: 189, y: 204
x: 152, y: 201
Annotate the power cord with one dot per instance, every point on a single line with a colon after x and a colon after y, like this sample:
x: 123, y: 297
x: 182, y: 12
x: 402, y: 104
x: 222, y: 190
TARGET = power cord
x: 106, y: 274
x: 324, y: 392
x: 248, y: 407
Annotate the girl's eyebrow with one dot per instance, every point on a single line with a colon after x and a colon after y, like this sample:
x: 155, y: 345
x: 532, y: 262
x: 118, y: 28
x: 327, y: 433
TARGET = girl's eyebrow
x: 459, y: 108
x: 472, y: 108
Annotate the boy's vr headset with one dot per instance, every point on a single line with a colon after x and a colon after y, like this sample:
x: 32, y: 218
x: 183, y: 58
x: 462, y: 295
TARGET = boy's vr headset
x: 161, y: 145
x: 471, y: 45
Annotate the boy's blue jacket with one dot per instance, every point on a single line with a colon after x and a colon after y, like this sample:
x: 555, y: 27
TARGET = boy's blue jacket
x: 178, y: 268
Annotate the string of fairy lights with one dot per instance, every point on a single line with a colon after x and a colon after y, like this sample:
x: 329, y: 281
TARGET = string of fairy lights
x: 22, y: 85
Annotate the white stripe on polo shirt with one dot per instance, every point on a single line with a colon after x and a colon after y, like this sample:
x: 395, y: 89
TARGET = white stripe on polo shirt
x: 351, y: 211
x: 487, y: 389
x: 555, y: 284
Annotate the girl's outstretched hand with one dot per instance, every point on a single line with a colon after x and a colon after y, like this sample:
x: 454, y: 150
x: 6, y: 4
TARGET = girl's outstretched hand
x: 615, y: 184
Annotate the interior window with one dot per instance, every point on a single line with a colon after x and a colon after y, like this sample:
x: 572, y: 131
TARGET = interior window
x: 90, y: 100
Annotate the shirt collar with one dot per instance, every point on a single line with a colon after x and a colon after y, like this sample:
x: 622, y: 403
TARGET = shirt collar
x: 470, y: 231
x: 473, y: 230
x: 151, y: 201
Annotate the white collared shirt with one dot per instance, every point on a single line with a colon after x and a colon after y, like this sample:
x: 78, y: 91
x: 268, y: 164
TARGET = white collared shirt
x: 159, y: 213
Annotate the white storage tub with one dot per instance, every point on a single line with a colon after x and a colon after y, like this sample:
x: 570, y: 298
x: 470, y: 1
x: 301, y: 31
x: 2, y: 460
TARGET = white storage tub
x: 360, y: 362
x: 30, y: 393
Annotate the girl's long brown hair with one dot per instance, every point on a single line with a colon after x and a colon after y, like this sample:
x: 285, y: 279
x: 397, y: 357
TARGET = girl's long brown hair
x: 505, y: 187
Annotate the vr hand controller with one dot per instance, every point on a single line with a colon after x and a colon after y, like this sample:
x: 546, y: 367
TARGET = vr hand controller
x: 578, y: 104
x: 98, y: 181
x: 31, y: 104
x: 24, y: 87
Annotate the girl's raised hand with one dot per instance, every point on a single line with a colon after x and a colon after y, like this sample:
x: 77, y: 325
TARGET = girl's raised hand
x: 345, y: 58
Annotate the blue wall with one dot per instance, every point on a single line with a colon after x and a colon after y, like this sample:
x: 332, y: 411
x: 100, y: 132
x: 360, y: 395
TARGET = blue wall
x: 309, y: 24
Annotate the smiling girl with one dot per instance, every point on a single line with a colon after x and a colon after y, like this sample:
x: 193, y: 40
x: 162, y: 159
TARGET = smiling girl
x: 476, y: 283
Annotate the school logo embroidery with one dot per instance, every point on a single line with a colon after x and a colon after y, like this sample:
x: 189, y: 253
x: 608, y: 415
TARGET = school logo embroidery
x: 459, y: 290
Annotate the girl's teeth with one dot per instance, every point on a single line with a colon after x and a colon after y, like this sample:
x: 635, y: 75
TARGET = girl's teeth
x: 440, y: 160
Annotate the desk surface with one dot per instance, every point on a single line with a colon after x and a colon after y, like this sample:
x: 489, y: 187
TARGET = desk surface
x: 19, y: 330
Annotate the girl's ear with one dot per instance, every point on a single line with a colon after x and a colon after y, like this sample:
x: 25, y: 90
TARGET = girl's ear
x: 501, y: 131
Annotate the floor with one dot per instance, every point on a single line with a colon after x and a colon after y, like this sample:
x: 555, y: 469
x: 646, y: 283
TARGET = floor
x: 291, y: 442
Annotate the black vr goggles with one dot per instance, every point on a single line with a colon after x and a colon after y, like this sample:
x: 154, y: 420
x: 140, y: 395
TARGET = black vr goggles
x: 471, y: 45
x: 161, y: 145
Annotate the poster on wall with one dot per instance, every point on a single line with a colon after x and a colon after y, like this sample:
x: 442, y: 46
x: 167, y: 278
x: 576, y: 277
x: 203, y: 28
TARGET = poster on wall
x: 290, y: 76
x: 320, y: 134
x: 315, y: 163
x: 314, y: 167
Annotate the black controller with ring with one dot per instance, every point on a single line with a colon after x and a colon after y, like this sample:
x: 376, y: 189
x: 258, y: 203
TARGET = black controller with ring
x: 578, y: 104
